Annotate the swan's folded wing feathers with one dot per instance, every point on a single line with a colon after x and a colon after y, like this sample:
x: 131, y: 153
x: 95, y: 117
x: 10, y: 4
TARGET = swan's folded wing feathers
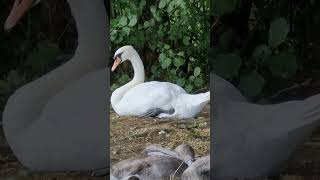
x: 149, y: 95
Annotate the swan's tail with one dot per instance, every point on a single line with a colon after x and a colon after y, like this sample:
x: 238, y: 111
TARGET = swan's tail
x: 205, y: 98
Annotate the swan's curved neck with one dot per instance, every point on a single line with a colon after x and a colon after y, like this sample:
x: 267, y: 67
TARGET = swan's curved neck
x: 138, y: 68
x: 138, y: 78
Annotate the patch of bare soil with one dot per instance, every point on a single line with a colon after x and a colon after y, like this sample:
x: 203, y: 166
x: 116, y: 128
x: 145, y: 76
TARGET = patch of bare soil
x: 130, y: 135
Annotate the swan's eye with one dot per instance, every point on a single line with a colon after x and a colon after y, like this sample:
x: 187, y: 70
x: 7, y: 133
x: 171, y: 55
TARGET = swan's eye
x: 118, y: 56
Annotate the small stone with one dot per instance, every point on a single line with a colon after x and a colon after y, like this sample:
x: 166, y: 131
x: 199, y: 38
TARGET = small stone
x: 162, y: 132
x: 114, y: 152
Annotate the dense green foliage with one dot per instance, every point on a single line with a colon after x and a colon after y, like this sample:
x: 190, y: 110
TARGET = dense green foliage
x: 264, y: 46
x: 171, y: 37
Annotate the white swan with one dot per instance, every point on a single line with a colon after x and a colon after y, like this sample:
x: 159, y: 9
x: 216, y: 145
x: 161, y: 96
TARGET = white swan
x: 58, y: 122
x: 152, y: 99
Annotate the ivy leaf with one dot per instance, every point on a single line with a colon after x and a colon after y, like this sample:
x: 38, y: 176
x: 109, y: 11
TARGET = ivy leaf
x: 189, y: 88
x: 278, y: 32
x: 181, y: 82
x: 165, y: 62
x: 261, y: 53
x: 251, y: 84
x: 198, y: 82
x: 178, y: 62
x: 226, y: 65
x: 124, y: 79
x: 162, y: 4
x: 155, y: 71
x: 192, y: 78
x: 123, y: 21
x: 146, y: 24
x: 284, y: 64
x: 171, y: 6
x: 133, y: 21
x: 186, y: 40
x: 181, y: 54
x: 196, y: 72
x: 126, y: 30
x: 153, y: 9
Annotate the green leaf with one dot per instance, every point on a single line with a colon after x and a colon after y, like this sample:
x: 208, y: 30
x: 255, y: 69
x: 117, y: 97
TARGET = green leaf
x: 155, y: 71
x: 124, y: 79
x: 189, y: 88
x: 284, y: 64
x: 196, y: 71
x: 186, y: 40
x: 123, y: 21
x: 226, y: 65
x: 192, y: 78
x: 261, y: 53
x: 181, y: 82
x: 152, y: 22
x: 162, y: 4
x: 153, y: 9
x: 181, y: 54
x: 278, y: 32
x: 165, y: 62
x: 221, y: 7
x: 133, y: 21
x: 198, y: 82
x: 251, y: 84
x: 177, y: 62
x: 126, y: 30
x: 114, y: 86
x: 171, y: 6
x: 146, y: 24
x: 142, y: 4
x: 162, y: 56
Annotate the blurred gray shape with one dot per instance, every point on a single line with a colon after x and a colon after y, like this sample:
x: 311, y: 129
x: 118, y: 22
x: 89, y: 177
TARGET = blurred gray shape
x: 251, y: 140
x: 59, y: 121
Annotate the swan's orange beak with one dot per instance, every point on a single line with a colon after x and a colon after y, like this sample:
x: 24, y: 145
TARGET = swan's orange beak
x: 19, y: 8
x: 116, y: 63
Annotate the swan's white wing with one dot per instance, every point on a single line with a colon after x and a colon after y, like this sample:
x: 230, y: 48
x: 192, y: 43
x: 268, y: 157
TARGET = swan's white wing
x: 149, y: 95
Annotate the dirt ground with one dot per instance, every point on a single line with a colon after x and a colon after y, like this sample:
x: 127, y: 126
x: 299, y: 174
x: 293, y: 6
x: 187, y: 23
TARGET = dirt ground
x: 130, y: 135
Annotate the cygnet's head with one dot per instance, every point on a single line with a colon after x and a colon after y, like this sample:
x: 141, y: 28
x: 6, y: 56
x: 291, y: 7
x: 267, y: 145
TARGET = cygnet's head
x: 122, y: 54
x: 186, y: 152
